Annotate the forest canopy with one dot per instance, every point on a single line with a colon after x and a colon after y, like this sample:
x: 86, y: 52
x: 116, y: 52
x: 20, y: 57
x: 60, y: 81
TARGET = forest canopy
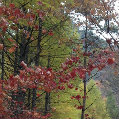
x: 59, y: 59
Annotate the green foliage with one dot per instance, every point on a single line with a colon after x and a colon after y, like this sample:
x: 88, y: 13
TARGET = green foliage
x: 112, y: 106
x: 58, y: 47
x: 98, y: 103
x: 64, y: 105
x: 54, y: 49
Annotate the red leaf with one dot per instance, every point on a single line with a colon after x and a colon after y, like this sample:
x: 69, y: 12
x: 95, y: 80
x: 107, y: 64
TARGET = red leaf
x: 62, y: 80
x: 12, y: 49
x: 110, y: 61
x: 38, y: 95
x: 109, y: 41
x: 11, y: 40
x: 78, y: 97
x: 76, y: 88
x: 1, y: 46
x: 115, y: 42
x: 91, y: 67
x: 33, y: 16
x: 61, y: 87
x: 4, y: 28
x: 17, y: 12
x: 50, y: 33
x: 86, y: 115
x: 73, y: 74
x: 70, y: 86
x: 1, y: 10
x: 23, y: 64
x: 44, y: 31
x: 12, y: 5
x: 80, y: 107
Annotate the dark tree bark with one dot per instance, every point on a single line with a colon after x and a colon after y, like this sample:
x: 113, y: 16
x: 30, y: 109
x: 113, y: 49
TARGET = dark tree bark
x: 84, y: 80
x: 47, y: 94
x: 37, y: 60
x: 20, y: 55
x: 2, y: 65
x: 16, y: 58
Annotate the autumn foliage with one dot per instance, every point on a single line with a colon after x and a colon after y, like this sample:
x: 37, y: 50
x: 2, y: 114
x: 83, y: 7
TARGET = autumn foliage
x: 14, y: 90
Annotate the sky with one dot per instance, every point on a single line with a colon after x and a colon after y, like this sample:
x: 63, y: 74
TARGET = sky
x: 117, y: 6
x: 78, y: 17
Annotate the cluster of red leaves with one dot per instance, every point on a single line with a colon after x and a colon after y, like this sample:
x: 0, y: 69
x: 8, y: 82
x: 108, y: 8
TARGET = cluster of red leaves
x: 3, y: 109
x: 11, y: 17
x: 67, y: 73
x: 87, y: 116
x: 79, y: 107
x: 38, y: 78
x: 109, y: 41
x: 29, y: 78
x: 72, y: 67
x: 100, y: 60
x: 46, y: 80
x: 77, y: 97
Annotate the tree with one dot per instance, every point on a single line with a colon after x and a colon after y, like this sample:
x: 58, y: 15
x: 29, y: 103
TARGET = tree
x: 29, y: 35
x: 111, y: 106
x: 92, y: 10
x: 65, y: 106
x: 27, y: 31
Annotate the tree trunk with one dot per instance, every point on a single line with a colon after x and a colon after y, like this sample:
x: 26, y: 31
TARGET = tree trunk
x: 2, y: 64
x: 84, y: 80
x: 37, y: 59
x: 23, y: 56
x: 16, y: 59
x: 47, y: 94
x: 47, y: 102
x: 29, y: 98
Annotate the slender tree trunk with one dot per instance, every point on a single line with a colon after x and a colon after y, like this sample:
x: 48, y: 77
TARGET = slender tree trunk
x: 2, y: 64
x: 23, y: 50
x: 108, y: 23
x: 37, y: 59
x: 84, y: 80
x: 38, y: 43
x: 84, y: 100
x: 29, y: 98
x: 47, y: 94
x: 12, y: 105
x: 16, y: 62
x: 47, y: 102
x: 16, y: 58
x: 29, y: 90
x: 34, y: 98
x: 23, y: 54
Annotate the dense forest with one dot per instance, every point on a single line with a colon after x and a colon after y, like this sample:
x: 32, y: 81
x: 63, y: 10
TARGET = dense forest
x: 59, y: 59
